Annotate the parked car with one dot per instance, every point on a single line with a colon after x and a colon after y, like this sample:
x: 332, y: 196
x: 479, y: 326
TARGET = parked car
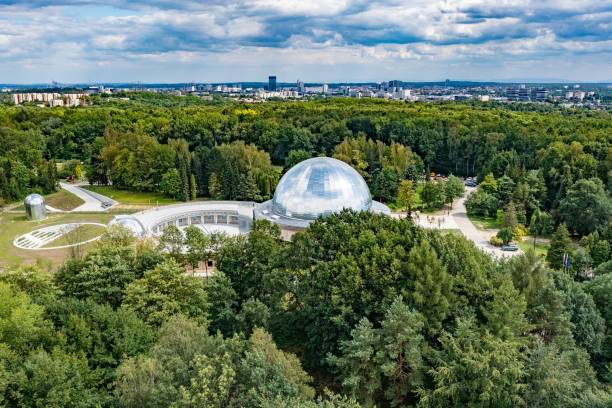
x: 471, y: 182
x: 509, y: 247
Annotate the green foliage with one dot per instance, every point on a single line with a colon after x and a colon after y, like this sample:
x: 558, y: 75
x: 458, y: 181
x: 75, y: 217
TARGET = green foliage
x: 453, y: 188
x: 406, y: 196
x: 251, y: 263
x: 560, y: 243
x: 489, y: 184
x: 102, y: 275
x: 468, y: 330
x: 505, y: 234
x: 57, y: 379
x: 171, y: 184
x: 103, y: 335
x: 296, y: 156
x: 475, y: 369
x: 386, y: 362
x: 433, y: 194
x: 558, y: 377
x: 189, y: 367
x: 164, y: 292
x: 482, y: 203
x: 431, y: 285
x: 22, y: 325
x: 350, y: 266
x: 385, y: 184
x: 585, y: 206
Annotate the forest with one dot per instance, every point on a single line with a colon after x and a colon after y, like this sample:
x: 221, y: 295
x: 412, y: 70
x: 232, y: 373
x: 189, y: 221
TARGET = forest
x: 357, y: 310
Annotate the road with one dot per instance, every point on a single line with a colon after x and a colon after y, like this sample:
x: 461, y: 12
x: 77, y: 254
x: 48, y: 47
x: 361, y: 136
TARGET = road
x: 92, y: 201
x: 479, y: 237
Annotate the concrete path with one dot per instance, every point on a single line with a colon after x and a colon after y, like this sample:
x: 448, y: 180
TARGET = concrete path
x: 92, y: 201
x: 457, y: 219
x: 479, y: 237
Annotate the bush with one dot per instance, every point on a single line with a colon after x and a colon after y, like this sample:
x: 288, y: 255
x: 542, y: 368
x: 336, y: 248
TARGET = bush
x: 505, y: 234
x: 519, y: 232
x: 481, y: 203
x: 495, y: 241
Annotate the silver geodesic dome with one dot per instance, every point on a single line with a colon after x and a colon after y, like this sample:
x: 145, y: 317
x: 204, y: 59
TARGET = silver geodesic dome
x: 319, y: 187
x: 35, y: 207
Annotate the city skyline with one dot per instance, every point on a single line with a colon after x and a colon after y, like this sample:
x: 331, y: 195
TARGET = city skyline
x: 88, y: 41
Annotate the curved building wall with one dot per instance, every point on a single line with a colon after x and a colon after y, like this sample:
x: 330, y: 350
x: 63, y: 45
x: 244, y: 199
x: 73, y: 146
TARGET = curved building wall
x: 230, y: 217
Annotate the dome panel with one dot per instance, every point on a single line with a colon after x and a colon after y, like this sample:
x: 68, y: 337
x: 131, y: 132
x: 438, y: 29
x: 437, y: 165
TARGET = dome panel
x: 130, y: 223
x: 319, y: 187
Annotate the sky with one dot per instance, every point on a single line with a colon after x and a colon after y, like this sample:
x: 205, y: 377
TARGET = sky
x: 82, y: 41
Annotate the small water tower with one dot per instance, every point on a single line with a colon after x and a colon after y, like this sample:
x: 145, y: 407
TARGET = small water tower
x: 35, y: 207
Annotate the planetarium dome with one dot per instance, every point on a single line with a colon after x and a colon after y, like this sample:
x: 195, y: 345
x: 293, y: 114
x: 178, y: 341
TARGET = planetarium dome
x: 319, y: 187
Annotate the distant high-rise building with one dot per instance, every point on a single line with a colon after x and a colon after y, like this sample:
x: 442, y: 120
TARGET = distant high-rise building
x: 524, y: 94
x: 396, y: 83
x: 541, y: 94
x: 300, y: 86
x: 325, y: 88
x: 272, y: 83
x: 447, y: 83
x: 512, y: 94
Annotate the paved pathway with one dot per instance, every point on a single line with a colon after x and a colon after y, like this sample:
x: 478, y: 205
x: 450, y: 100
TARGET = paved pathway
x: 479, y: 237
x: 92, y: 201
x: 458, y: 219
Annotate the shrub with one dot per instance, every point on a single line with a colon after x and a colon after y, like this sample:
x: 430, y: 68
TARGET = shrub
x: 519, y: 232
x: 505, y: 234
x: 495, y: 241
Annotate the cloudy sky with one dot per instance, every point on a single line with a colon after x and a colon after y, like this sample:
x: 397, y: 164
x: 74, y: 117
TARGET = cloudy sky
x: 314, y: 40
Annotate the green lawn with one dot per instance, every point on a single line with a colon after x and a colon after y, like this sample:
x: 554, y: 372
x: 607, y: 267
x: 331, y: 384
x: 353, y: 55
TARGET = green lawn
x: 484, y: 223
x: 15, y: 224
x: 541, y: 248
x: 132, y: 197
x: 63, y: 200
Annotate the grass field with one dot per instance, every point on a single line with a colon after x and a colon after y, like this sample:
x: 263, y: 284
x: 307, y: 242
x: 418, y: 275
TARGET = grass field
x: 81, y: 234
x: 541, y: 248
x: 132, y: 197
x: 483, y: 223
x: 14, y: 224
x: 63, y: 200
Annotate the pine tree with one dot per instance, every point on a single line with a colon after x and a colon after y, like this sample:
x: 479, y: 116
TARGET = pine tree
x: 400, y: 353
x: 475, y: 369
x: 214, y: 187
x: 505, y: 313
x: 560, y: 244
x: 247, y: 189
x: 432, y: 285
x: 193, y: 188
x: 358, y: 367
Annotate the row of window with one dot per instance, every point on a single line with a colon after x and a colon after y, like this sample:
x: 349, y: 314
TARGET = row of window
x: 207, y: 218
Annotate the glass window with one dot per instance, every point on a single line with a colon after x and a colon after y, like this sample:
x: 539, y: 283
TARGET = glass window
x: 182, y: 222
x: 233, y: 219
x: 222, y: 218
x: 196, y: 219
x: 209, y: 218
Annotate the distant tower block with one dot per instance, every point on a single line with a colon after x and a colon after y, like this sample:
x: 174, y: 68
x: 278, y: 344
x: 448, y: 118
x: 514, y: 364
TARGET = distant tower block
x: 35, y: 207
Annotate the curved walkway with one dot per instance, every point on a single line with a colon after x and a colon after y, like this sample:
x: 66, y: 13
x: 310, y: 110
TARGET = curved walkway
x: 93, y: 202
x: 458, y: 219
x: 479, y: 237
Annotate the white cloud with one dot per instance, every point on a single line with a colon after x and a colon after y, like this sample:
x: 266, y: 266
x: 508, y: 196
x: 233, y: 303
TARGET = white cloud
x: 363, y: 36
